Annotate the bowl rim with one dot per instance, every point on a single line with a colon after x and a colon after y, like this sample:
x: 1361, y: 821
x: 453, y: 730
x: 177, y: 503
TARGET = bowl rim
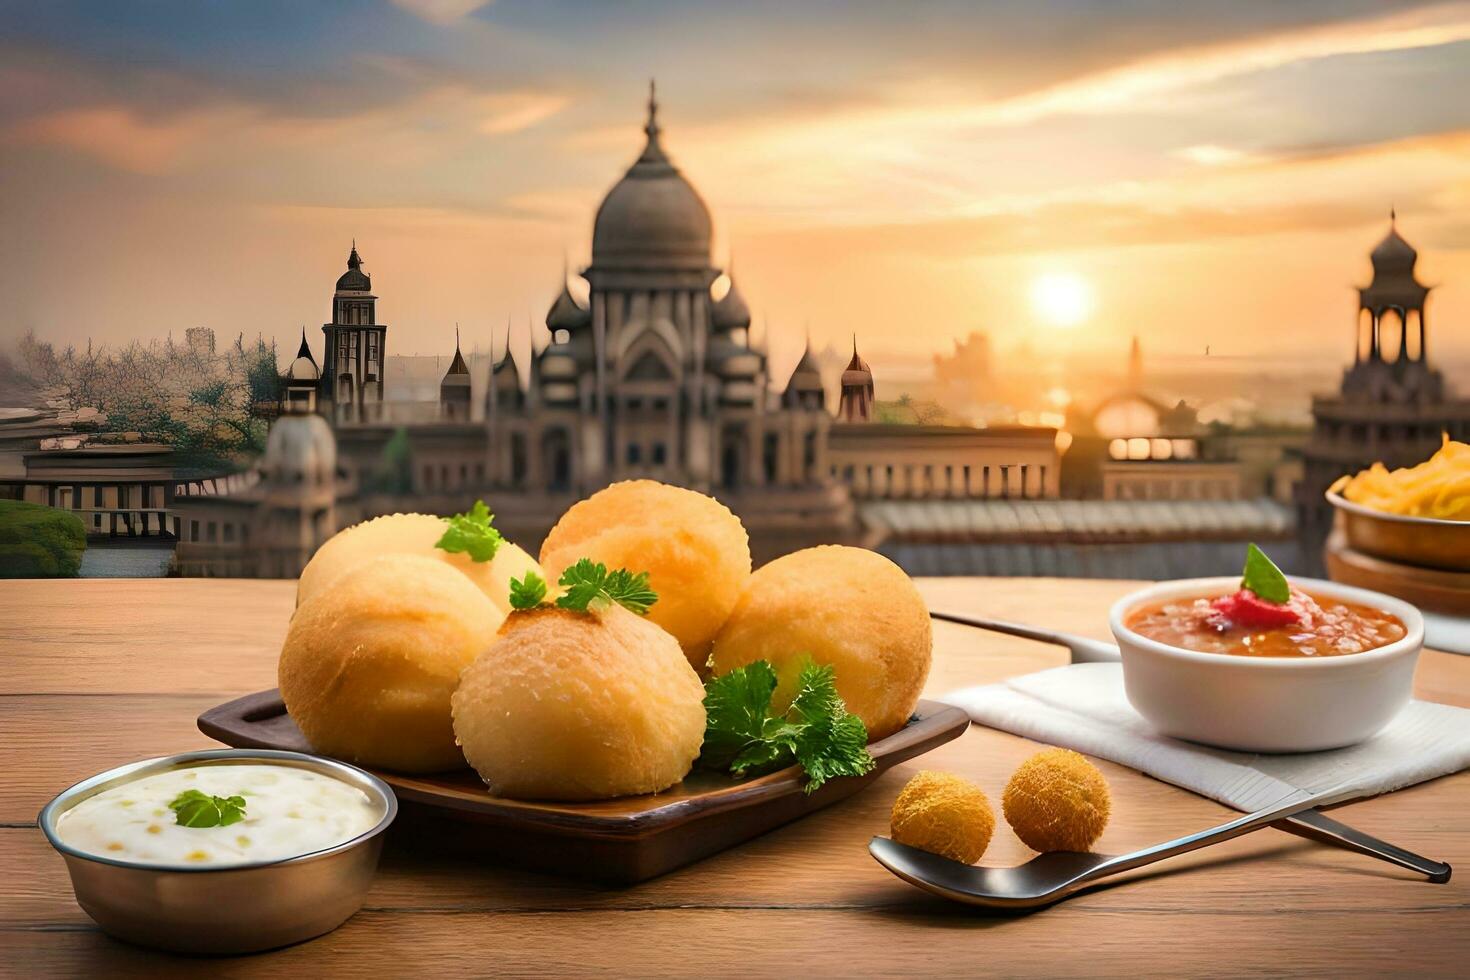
x: 86, y: 788
x: 1342, y: 503
x: 1411, y: 642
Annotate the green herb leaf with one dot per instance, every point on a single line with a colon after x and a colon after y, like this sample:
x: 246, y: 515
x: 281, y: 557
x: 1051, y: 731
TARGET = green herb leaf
x: 736, y: 706
x: 591, y: 587
x: 1262, y: 577
x: 471, y: 533
x: 193, y: 808
x: 528, y: 592
x: 816, y: 732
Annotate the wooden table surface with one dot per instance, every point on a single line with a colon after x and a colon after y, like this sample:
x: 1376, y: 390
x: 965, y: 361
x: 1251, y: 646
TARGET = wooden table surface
x: 97, y: 673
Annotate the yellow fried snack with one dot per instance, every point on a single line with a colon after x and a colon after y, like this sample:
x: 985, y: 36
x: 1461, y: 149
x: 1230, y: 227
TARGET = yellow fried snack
x: 695, y: 551
x: 411, y: 534
x: 943, y: 814
x: 848, y: 607
x: 371, y: 660
x: 1439, y: 487
x: 1057, y: 801
x: 567, y: 705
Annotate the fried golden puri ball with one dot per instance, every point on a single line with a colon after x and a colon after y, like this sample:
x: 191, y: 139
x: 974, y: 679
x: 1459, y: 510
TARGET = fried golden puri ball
x: 411, y: 534
x: 1057, y: 801
x: 945, y: 815
x: 567, y: 705
x: 370, y: 662
x: 848, y: 607
x: 696, y: 553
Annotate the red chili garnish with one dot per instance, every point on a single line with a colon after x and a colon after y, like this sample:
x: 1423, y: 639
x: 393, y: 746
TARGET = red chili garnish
x: 1247, y: 609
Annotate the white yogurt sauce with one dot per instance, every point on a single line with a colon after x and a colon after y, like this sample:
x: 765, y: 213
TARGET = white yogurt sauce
x: 288, y: 812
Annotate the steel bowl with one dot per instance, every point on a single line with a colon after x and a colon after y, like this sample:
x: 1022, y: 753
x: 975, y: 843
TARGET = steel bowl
x: 242, y: 908
x: 1429, y: 542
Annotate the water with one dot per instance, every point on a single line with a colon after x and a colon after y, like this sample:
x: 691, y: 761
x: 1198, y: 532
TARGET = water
x: 124, y: 558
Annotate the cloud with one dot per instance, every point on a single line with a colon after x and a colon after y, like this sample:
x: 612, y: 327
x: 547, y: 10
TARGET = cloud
x: 124, y: 138
x: 407, y: 132
x: 441, y: 11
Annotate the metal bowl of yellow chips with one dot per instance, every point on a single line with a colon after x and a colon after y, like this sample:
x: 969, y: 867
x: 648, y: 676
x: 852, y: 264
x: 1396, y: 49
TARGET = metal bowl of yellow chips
x: 1416, y: 515
x: 1429, y: 542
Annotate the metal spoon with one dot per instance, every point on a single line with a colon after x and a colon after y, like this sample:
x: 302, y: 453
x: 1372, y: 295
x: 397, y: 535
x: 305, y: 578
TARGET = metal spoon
x: 1048, y: 878
x: 1311, y: 824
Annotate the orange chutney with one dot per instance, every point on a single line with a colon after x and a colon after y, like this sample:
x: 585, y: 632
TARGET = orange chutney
x: 1327, y: 627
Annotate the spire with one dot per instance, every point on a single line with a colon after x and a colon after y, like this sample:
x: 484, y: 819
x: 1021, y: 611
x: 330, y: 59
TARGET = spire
x: 1135, y: 365
x: 654, y: 151
x: 652, y: 127
x: 354, y: 261
x: 305, y: 349
x: 457, y: 367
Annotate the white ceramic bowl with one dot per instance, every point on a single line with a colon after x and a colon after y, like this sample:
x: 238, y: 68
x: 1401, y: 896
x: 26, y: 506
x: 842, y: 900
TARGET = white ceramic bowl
x: 1267, y: 704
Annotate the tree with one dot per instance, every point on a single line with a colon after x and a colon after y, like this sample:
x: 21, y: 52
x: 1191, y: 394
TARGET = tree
x: 212, y: 408
x: 39, y: 542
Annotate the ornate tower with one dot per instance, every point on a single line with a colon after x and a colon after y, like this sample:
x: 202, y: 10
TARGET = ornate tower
x: 856, y: 402
x: 1390, y: 353
x: 1392, y: 406
x: 352, y: 369
x: 301, y: 380
x: 454, y: 390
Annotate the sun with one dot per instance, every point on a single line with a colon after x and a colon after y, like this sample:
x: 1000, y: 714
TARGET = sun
x: 1062, y: 299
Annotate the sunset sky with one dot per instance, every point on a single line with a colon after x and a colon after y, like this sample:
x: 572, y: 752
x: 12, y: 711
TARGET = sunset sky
x: 1060, y: 174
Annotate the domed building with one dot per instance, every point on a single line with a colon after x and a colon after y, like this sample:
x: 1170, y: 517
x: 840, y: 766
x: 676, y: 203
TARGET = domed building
x: 287, y: 507
x: 655, y: 377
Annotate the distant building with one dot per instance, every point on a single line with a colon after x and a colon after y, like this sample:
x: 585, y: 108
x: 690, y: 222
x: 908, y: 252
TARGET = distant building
x: 1392, y: 406
x: 654, y: 378
x: 855, y: 403
x: 351, y: 384
x: 1131, y: 446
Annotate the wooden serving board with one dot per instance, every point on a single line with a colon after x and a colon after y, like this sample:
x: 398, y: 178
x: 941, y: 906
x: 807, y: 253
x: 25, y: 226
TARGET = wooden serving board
x: 620, y: 841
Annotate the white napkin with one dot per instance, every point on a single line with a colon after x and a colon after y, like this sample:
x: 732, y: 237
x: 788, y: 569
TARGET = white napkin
x: 1083, y: 707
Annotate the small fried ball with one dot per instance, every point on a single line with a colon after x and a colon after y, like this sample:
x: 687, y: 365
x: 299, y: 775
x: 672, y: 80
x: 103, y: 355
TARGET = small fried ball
x: 943, y: 814
x: 411, y: 534
x: 1057, y: 801
x: 370, y: 662
x: 567, y: 705
x: 696, y: 553
x: 848, y: 607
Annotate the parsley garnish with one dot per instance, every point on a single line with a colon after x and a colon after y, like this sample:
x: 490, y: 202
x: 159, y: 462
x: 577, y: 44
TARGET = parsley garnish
x: 1262, y: 577
x: 528, y: 592
x: 817, y: 732
x: 472, y: 533
x: 195, y: 809
x: 591, y: 587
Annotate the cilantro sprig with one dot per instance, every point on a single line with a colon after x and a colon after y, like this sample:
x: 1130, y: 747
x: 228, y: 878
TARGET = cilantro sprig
x: 193, y: 808
x: 588, y: 587
x: 527, y: 592
x: 472, y: 533
x: 817, y: 732
x: 1262, y: 577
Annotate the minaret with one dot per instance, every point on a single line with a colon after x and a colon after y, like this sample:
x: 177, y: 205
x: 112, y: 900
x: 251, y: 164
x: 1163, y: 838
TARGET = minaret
x: 1395, y: 289
x: 454, y: 390
x: 856, y: 402
x: 1135, y: 365
x: 301, y: 379
x: 356, y: 345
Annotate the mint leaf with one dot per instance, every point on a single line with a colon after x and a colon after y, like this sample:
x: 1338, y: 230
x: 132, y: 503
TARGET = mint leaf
x: 1262, y: 577
x: 471, y: 533
x: 193, y: 808
x: 816, y: 732
x: 528, y: 592
x: 591, y: 587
